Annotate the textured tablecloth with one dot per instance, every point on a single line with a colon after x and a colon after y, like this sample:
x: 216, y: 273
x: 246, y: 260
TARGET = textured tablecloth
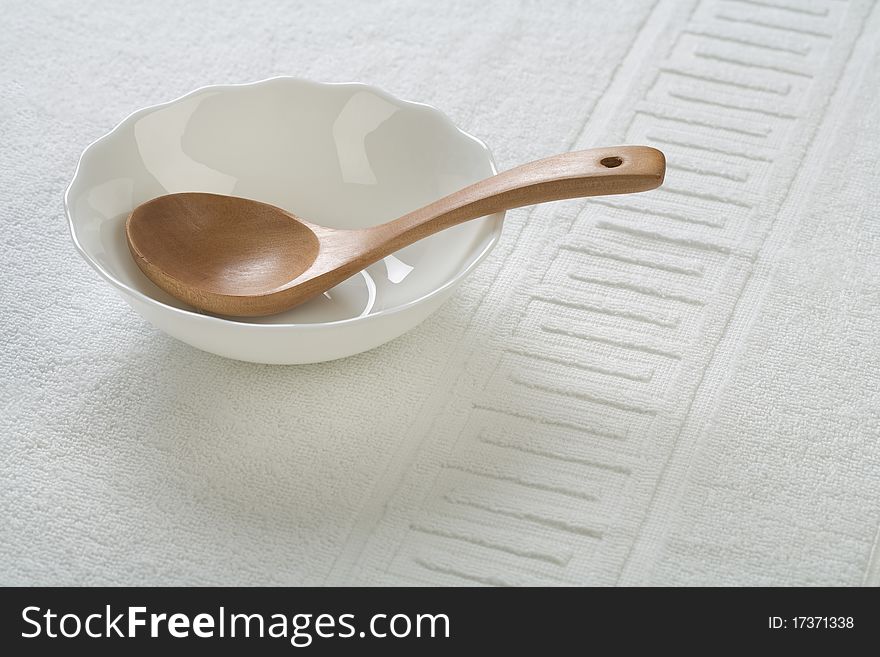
x: 676, y: 388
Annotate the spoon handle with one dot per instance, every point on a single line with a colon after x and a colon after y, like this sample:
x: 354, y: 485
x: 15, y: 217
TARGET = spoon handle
x: 594, y: 172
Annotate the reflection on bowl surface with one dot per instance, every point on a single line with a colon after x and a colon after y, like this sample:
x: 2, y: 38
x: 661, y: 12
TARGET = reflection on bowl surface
x: 341, y: 155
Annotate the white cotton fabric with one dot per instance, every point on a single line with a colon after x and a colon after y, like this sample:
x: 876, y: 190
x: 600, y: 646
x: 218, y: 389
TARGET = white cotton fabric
x: 681, y: 387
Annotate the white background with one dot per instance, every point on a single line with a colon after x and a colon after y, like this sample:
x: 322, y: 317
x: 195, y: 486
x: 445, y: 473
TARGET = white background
x: 476, y: 449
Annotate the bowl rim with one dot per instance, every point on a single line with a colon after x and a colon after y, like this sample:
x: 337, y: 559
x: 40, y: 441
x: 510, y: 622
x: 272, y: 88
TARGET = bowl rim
x: 393, y: 310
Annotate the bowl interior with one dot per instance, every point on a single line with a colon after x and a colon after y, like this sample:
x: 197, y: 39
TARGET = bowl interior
x: 341, y: 155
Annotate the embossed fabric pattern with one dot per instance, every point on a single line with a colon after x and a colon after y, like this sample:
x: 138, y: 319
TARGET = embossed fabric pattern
x: 680, y: 387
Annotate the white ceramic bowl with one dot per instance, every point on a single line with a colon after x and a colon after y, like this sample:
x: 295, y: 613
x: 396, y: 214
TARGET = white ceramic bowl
x: 342, y: 155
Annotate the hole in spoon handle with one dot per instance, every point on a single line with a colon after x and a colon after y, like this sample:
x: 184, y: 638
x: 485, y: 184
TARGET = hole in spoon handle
x: 594, y: 172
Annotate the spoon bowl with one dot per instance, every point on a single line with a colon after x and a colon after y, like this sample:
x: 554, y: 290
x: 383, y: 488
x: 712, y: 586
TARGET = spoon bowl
x: 204, y: 247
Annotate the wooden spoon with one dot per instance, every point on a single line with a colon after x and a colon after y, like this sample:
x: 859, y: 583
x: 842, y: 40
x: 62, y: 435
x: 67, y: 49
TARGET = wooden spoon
x: 233, y: 256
